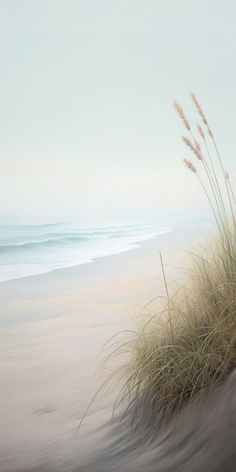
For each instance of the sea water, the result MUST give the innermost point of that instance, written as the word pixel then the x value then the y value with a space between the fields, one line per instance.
pixel 30 249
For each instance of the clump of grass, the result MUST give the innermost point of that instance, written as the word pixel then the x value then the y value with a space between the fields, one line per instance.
pixel 192 348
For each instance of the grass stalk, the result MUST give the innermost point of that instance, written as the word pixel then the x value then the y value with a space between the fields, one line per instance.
pixel 193 349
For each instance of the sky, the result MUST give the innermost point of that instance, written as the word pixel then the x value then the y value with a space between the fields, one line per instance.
pixel 87 126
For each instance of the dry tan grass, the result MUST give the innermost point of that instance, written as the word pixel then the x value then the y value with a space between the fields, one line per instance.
pixel 172 363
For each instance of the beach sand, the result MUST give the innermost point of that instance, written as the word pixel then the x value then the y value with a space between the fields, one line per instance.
pixel 53 330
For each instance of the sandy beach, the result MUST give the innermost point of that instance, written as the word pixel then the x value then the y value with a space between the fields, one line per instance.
pixel 53 330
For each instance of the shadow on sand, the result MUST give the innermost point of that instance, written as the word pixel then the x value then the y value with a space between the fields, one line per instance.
pixel 202 437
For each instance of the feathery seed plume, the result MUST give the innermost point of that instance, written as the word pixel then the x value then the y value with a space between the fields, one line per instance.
pixel 200 130
pixel 199 108
pixel 209 131
pixel 180 112
pixel 195 149
pixel 190 165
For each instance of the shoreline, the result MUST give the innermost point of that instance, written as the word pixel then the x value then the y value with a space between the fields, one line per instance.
pixel 129 247
pixel 59 285
pixel 54 328
pixel 176 232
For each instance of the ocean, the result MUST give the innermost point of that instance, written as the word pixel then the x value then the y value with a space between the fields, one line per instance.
pixel 30 249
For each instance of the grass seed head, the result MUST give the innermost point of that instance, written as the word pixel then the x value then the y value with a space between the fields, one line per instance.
pixel 200 131
pixel 181 114
pixel 190 165
pixel 195 148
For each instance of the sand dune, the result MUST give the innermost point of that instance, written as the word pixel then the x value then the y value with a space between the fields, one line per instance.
pixel 201 437
pixel 53 329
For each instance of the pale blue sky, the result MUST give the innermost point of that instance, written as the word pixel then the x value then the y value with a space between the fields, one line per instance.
pixel 87 125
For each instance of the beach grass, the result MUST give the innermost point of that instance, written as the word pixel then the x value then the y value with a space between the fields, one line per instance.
pixel 190 347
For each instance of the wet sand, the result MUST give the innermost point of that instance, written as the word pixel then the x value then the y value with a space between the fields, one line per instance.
pixel 53 329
